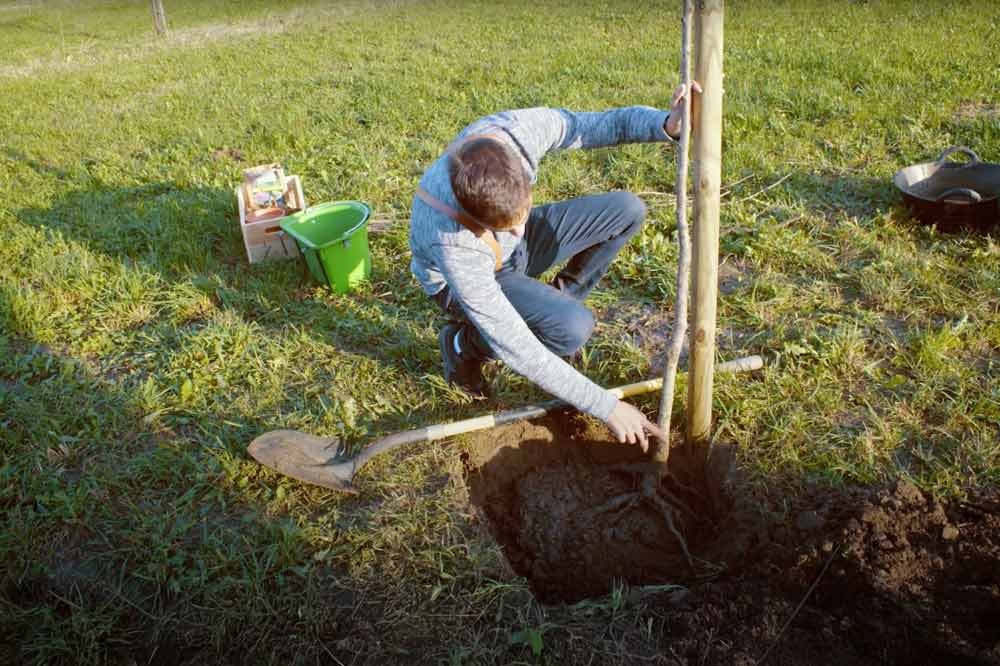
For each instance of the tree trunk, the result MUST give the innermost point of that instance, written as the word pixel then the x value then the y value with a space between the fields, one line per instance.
pixel 661 450
pixel 159 18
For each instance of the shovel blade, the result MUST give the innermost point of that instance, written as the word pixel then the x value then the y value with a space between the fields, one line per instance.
pixel 304 457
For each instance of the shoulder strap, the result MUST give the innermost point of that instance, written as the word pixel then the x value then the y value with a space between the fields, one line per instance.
pixel 483 234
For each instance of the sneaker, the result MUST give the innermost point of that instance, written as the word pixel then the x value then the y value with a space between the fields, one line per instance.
pixel 465 374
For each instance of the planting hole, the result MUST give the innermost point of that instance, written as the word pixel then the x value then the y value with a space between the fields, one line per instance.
pixel 542 486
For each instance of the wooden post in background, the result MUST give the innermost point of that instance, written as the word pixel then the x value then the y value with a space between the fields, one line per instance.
pixel 159 17
pixel 707 176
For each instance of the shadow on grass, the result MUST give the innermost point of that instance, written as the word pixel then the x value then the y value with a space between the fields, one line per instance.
pixel 190 236
pixel 851 194
pixel 126 541
pixel 167 228
pixel 820 192
pixel 826 192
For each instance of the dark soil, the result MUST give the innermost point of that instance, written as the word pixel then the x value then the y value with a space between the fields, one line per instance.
pixel 540 484
pixel 902 578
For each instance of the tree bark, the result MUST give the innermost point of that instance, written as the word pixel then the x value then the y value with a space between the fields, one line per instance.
pixel 661 453
pixel 707 170
pixel 159 17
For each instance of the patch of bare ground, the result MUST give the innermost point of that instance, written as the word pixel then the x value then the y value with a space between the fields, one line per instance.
pixel 969 110
pixel 95 54
pixel 649 326
pixel 733 274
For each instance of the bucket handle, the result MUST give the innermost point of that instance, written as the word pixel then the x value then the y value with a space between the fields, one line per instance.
pixel 971 194
pixel 346 237
pixel 968 152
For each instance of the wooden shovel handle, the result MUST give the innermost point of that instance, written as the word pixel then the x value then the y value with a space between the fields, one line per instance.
pixel 443 430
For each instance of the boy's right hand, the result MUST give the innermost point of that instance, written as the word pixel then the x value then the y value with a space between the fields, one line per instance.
pixel 630 425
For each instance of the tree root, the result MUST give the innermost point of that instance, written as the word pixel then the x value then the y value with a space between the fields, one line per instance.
pixel 616 504
pixel 668 515
pixel 659 499
pixel 676 501
pixel 651 473
pixel 653 468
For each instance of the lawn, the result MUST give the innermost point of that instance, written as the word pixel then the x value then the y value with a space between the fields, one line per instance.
pixel 139 353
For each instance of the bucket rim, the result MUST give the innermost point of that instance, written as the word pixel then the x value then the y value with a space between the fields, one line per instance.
pixel 311 211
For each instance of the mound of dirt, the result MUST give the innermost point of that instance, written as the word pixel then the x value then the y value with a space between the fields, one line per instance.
pixel 882 575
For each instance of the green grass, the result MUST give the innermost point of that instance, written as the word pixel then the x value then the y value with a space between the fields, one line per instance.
pixel 139 354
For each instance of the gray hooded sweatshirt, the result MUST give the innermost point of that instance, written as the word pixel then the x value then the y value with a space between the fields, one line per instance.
pixel 446 253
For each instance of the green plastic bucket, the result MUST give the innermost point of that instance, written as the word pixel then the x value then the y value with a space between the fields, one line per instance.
pixel 333 238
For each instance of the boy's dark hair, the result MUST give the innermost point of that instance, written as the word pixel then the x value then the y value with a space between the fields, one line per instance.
pixel 489 181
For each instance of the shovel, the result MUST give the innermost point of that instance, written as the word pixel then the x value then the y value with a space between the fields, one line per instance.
pixel 324 461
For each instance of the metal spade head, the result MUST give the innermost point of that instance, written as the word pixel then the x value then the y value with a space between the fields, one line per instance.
pixel 305 457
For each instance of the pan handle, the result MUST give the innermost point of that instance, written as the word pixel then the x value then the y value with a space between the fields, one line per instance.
pixel 968 192
pixel 968 152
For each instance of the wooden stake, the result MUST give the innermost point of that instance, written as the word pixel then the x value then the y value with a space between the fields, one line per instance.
pixel 707 171
pixel 159 17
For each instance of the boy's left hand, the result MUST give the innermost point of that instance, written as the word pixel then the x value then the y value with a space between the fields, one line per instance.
pixel 673 124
